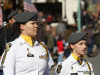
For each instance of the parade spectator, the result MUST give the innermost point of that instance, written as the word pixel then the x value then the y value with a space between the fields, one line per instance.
pixel 75 17
pixel 68 32
pixel 84 18
pixel 49 39
pixel 90 41
pixel 61 28
pixel 97 36
pixel 41 36
pixel 60 48
pixel 50 19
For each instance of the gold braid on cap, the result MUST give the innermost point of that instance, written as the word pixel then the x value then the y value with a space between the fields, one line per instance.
pixel 19 11
pixel 87 36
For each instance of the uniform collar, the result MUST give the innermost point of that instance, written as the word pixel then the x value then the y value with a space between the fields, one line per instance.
pixel 72 61
pixel 28 39
pixel 21 41
pixel 75 57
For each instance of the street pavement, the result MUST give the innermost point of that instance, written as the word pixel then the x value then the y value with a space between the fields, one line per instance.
pixel 95 61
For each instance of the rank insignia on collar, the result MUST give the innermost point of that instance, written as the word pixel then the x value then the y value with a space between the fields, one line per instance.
pixel 72 67
pixel 20 43
pixel 27 49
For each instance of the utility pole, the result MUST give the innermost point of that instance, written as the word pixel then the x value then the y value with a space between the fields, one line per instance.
pixel 79 17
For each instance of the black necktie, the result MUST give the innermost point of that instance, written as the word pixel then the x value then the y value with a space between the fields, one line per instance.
pixel 80 59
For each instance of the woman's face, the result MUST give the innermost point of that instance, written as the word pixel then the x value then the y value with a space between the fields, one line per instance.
pixel 79 48
pixel 30 28
pixel 48 28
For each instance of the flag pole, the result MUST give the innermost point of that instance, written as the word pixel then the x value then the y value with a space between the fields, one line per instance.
pixel 79 17
pixel 4 21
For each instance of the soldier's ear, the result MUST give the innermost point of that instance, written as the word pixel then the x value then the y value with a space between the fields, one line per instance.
pixel 9 21
pixel 22 27
pixel 72 46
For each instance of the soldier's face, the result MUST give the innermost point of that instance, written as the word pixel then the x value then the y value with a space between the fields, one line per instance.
pixel 30 28
pixel 11 21
pixel 79 48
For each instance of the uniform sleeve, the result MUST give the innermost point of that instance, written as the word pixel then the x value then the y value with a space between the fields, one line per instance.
pixel 47 71
pixel 50 61
pixel 9 61
pixel 8 71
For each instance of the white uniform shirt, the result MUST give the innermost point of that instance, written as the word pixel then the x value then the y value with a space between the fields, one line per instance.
pixel 71 67
pixel 18 63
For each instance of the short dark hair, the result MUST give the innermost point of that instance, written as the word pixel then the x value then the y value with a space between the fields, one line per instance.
pixel 16 27
pixel 60 37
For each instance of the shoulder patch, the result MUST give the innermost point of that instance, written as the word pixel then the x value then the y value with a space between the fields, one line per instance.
pixel 6 49
pixel 59 67
pixel 8 46
pixel 46 49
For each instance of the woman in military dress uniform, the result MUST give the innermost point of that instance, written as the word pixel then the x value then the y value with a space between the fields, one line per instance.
pixel 25 55
pixel 75 64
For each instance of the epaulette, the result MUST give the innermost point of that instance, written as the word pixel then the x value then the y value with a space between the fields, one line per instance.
pixel 46 49
pixel 59 67
pixel 8 46
pixel 6 49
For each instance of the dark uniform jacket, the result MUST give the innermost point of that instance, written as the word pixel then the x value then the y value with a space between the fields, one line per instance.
pixel 2 41
pixel 11 36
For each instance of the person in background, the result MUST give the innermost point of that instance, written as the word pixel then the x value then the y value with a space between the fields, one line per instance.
pixel 11 36
pixel 90 41
pixel 61 48
pixel 49 39
pixel 68 32
pixel 96 32
pixel 41 36
pixel 61 27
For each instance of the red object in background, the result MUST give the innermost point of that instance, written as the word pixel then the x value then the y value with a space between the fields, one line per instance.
pixel 28 6
pixel 1 21
pixel 60 46
pixel 49 18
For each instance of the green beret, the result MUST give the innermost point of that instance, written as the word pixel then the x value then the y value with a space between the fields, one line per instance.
pixel 76 37
pixel 26 16
pixel 14 13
